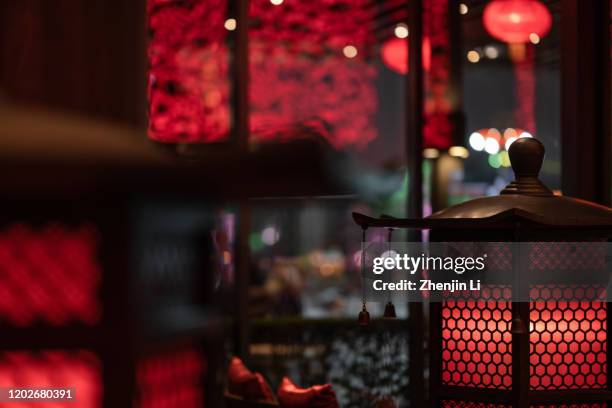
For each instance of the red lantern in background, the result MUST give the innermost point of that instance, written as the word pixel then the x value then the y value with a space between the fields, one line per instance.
pixel 513 21
pixel 394 53
pixel 518 22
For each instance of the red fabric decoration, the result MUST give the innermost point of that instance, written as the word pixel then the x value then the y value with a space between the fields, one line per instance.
pixel 512 21
pixel 242 382
pixel 317 396
pixel 300 77
pixel 440 98
pixel 189 84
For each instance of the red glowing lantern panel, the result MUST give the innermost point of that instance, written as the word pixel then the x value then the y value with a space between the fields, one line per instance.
pixel 79 371
pixel 567 343
pixel 477 344
pixel 304 79
pixel 188 71
pixel 394 54
pixel 49 275
pixel 512 21
pixel 469 404
pixel 578 405
pixel 172 379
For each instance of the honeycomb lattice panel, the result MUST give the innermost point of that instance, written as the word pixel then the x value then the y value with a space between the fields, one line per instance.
pixel 589 405
pixel 563 256
pixel 477 343
pixel 568 345
pixel 469 404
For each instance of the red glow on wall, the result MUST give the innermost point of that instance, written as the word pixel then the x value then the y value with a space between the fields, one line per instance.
pixel 188 71
pixel 300 78
pixel 78 370
pixel 512 21
pixel 49 275
pixel 173 379
pixel 394 54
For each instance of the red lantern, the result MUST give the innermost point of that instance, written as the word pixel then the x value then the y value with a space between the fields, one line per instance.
pixel 394 54
pixel 517 22
pixel 513 21
pixel 495 351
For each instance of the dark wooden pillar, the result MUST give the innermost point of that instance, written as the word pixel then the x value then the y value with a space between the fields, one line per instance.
pixel 414 165
pixel 585 105
pixel 414 126
pixel 240 136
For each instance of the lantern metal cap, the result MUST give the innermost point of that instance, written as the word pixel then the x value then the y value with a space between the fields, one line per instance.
pixel 526 198
pixel 526 156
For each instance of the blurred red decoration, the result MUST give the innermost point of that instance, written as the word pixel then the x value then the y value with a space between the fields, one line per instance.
pixel 188 71
pixel 525 91
pixel 300 77
pixel 394 54
pixel 171 379
pixel 246 384
pixel 298 74
pixel 77 370
pixel 292 396
pixel 512 21
pixel 49 275
pixel 439 127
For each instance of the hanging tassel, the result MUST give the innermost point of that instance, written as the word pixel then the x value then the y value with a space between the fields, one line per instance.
pixel 389 311
pixel 389 308
pixel 364 316
pixel 517 326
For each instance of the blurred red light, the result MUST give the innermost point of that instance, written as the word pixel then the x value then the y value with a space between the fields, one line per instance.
pixel 78 370
pixel 395 54
pixel 173 379
pixel 512 21
pixel 49 275
pixel 188 71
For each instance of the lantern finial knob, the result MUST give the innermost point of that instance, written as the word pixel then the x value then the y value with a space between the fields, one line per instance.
pixel 526 156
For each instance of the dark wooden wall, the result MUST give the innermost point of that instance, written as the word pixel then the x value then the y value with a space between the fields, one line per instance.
pixel 86 56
